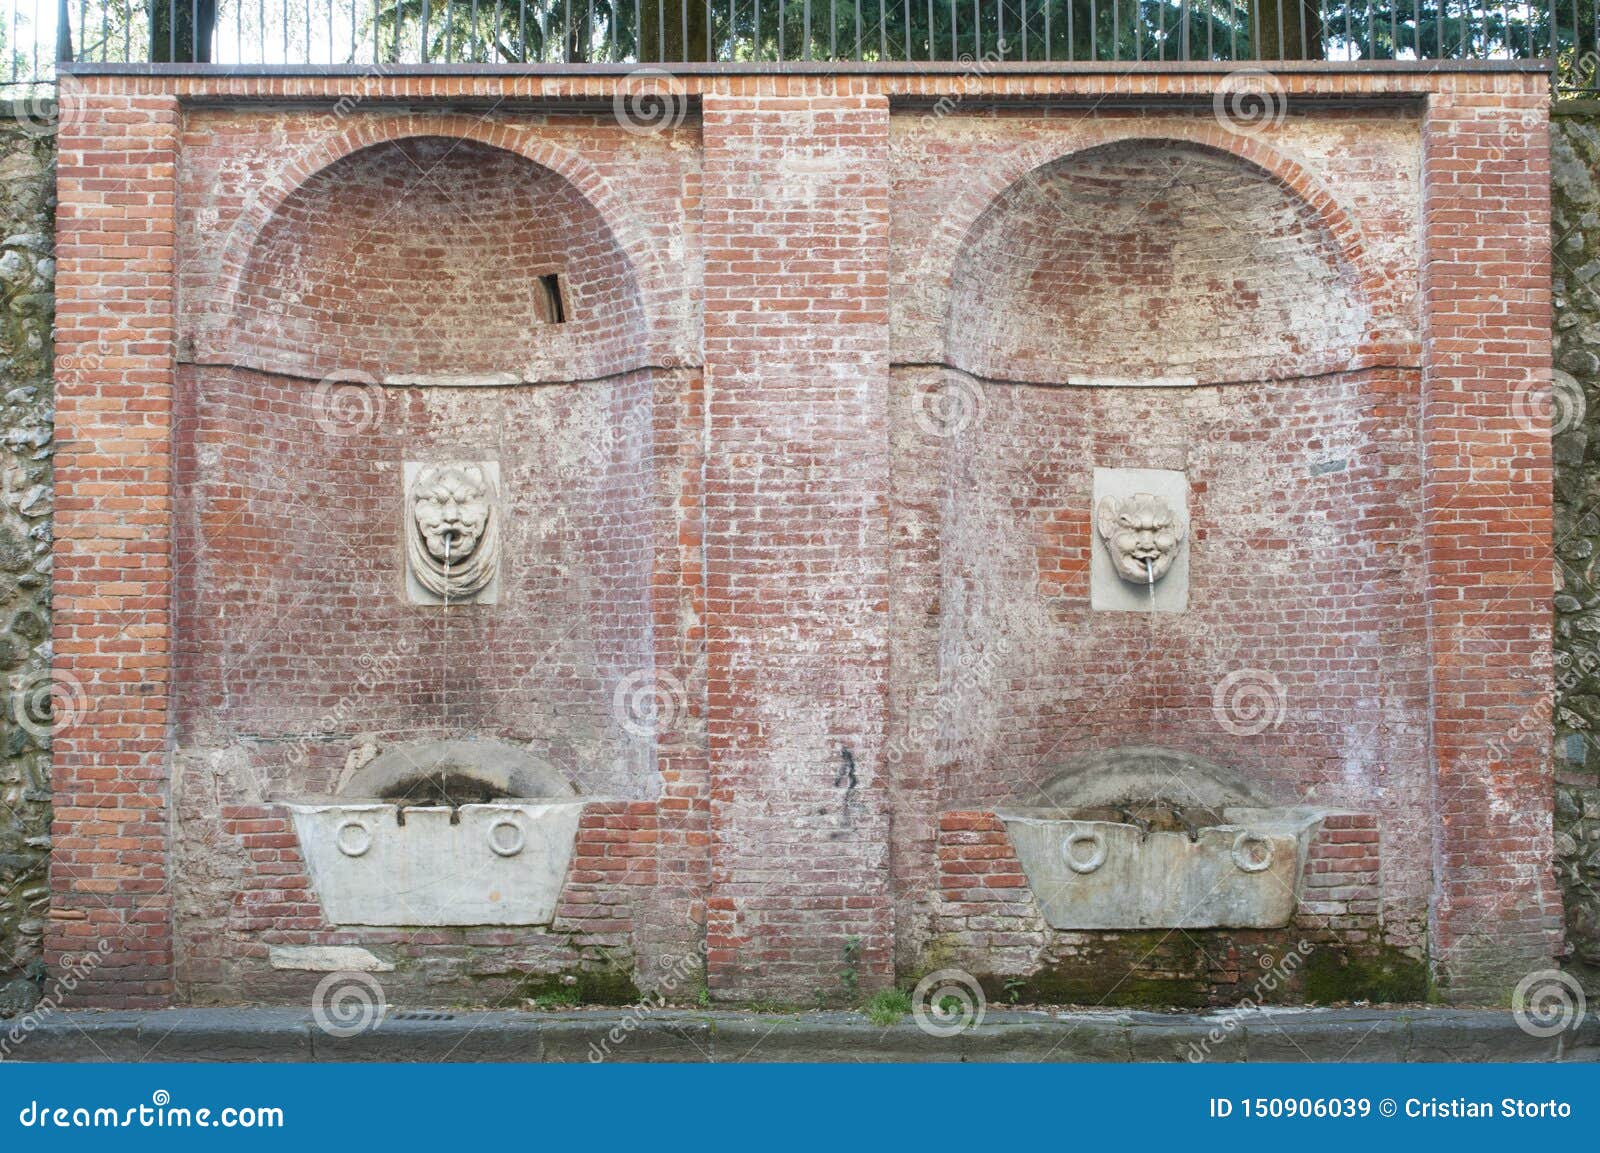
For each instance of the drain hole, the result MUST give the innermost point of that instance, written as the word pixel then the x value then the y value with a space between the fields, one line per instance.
pixel 420 1015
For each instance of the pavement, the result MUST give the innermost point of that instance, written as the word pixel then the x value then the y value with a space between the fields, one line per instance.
pixel 646 1034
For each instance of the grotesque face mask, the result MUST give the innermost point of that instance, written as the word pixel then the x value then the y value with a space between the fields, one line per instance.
pixel 453 544
pixel 451 504
pixel 1141 534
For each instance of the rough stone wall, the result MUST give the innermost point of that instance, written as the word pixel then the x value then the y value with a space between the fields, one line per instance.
pixel 27 279
pixel 1575 196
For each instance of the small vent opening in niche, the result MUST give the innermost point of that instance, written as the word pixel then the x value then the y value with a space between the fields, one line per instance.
pixel 555 309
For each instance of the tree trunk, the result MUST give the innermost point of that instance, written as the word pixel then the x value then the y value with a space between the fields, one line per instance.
pixel 180 31
pixel 1300 22
pixel 662 39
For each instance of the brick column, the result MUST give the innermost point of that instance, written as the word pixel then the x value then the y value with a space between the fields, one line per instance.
pixel 113 524
pixel 1487 523
pixel 796 537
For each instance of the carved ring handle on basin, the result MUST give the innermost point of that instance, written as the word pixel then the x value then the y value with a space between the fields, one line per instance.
pixel 518 840
pixel 1242 857
pixel 1096 858
pixel 353 838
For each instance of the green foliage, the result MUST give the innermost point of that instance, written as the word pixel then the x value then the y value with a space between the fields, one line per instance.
pixel 888 1007
pixel 852 960
pixel 565 997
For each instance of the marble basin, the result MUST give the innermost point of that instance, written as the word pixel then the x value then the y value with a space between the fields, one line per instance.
pixel 1243 872
pixel 499 863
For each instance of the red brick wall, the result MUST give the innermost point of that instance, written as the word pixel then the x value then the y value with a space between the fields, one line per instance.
pixel 109 871
pixel 1486 510
pixel 797 358
pixel 784 479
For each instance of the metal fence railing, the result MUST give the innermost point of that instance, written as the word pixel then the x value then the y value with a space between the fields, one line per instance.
pixel 36 33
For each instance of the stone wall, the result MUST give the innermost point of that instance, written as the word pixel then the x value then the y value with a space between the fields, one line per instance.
pixel 27 276
pixel 1575 195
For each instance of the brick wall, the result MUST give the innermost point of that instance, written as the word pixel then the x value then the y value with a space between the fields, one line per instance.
pixel 115 339
pixel 1486 502
pixel 805 473
pixel 796 345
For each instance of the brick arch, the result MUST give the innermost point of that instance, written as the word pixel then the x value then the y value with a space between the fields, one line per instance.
pixel 990 183
pixel 271 196
pixel 1322 258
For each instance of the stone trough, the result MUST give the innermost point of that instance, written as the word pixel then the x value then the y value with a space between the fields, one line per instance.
pixel 495 852
pixel 1097 874
pixel 1149 838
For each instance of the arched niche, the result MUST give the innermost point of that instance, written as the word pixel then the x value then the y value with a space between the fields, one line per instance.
pixel 1152 260
pixel 433 259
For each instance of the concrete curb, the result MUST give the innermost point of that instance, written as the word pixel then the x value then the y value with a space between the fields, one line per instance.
pixel 723 1036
